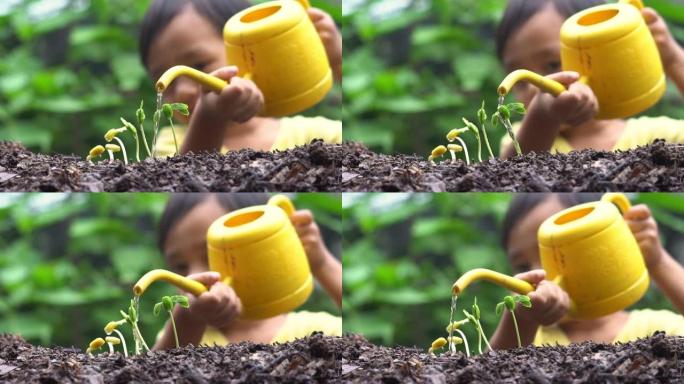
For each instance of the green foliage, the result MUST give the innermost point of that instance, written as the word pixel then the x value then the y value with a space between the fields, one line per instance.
pixel 413 69
pixel 73 259
pixel 403 252
pixel 69 74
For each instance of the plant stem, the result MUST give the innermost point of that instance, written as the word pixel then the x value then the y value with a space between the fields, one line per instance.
pixel 173 131
pixel 479 327
pixel 173 325
pixel 507 124
pixel 123 342
pixel 517 334
pixel 465 342
pixel 147 148
pixel 123 150
pixel 489 148
pixel 465 150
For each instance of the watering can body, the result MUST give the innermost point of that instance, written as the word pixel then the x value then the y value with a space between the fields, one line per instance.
pixel 591 253
pixel 612 49
pixel 277 46
pixel 258 252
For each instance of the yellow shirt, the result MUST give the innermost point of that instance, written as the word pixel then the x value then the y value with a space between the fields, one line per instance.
pixel 297 325
pixel 638 132
pixel 641 323
pixel 294 131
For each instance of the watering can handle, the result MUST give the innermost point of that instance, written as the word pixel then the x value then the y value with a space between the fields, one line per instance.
pixel 637 3
pixel 284 203
pixel 307 5
pixel 619 199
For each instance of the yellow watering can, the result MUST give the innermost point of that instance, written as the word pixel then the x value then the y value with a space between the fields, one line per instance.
pixel 258 253
pixel 612 49
pixel 276 45
pixel 590 252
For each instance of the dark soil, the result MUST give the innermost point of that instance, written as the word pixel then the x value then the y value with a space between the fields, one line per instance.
pixel 314 167
pixel 657 167
pixel 657 359
pixel 313 359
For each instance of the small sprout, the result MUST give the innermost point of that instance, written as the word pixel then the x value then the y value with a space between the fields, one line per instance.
pixel 476 132
pixel 132 319
pixel 453 148
pixel 503 116
pixel 167 110
pixel 437 344
pixel 134 132
pixel 111 342
pixel 95 345
pixel 97 151
pixel 456 325
pixel 482 117
pixel 111 135
pixel 112 327
pixel 111 149
pixel 454 133
pixel 455 340
pixel 167 303
pixel 509 303
pixel 437 153
pixel 140 116
pixel 474 319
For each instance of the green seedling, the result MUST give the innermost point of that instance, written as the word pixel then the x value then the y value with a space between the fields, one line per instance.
pixel 132 319
pixel 140 116
pixel 454 135
pixel 453 149
pixel 503 116
pixel 482 117
pixel 437 153
pixel 111 149
pixel 167 110
pixel 474 319
pixel 476 132
pixel 95 345
pixel 167 303
pixel 510 303
pixel 111 342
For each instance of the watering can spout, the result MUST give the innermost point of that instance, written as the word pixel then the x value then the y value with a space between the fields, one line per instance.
pixel 516 285
pixel 211 82
pixel 182 282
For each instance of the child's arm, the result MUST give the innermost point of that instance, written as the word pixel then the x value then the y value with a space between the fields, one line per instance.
pixel 546 114
pixel 549 304
pixel 237 103
pixel 324 266
pixel 665 271
pixel 671 54
pixel 332 39
pixel 216 307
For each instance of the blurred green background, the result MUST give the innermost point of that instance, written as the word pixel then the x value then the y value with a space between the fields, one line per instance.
pixel 70 69
pixel 402 253
pixel 414 68
pixel 72 259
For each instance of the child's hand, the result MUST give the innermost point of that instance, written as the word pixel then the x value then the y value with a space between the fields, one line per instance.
pixel 331 37
pixel 549 302
pixel 645 230
pixel 311 239
pixel 217 307
pixel 240 101
pixel 670 51
pixel 575 106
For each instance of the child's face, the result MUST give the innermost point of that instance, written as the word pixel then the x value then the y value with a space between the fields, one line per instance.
pixel 534 46
pixel 188 40
pixel 522 247
pixel 185 249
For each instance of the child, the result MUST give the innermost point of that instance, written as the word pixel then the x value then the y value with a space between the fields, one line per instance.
pixel 189 32
pixel 529 38
pixel 213 316
pixel 543 323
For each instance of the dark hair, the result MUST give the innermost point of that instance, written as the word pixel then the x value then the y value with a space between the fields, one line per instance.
pixel 161 12
pixel 524 203
pixel 180 204
pixel 519 11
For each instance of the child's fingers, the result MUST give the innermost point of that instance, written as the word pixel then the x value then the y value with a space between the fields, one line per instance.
pixel 638 212
pixel 650 15
pixel 533 277
pixel 225 73
pixel 316 14
pixel 566 77
pixel 207 278
pixel 302 217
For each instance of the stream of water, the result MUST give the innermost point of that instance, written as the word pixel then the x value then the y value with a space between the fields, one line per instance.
pixel 452 347
pixel 157 118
